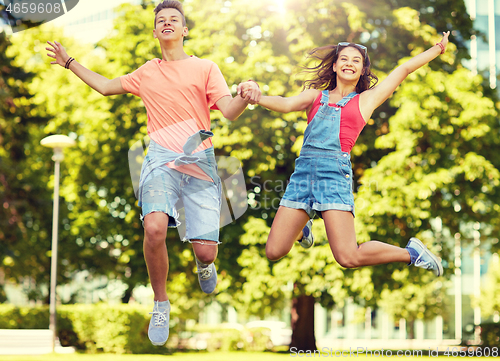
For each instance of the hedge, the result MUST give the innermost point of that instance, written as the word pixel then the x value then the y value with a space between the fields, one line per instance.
pixel 123 328
pixel 120 328
pixel 490 335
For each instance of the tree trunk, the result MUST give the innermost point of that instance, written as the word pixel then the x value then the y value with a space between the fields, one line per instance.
pixel 411 329
pixel 303 338
pixel 127 294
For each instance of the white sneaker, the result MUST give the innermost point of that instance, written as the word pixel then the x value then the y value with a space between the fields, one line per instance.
pixel 158 326
pixel 207 276
pixel 307 240
pixel 425 258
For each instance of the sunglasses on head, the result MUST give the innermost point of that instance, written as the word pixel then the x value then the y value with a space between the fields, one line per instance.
pixel 362 47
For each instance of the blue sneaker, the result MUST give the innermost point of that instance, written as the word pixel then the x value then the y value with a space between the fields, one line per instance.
pixel 307 240
pixel 422 257
pixel 158 326
pixel 207 276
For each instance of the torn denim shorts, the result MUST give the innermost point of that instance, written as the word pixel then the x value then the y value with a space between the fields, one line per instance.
pixel 168 190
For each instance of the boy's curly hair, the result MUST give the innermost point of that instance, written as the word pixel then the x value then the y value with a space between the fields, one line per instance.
pixel 170 4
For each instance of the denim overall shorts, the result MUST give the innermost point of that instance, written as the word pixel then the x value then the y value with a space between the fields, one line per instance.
pixel 322 179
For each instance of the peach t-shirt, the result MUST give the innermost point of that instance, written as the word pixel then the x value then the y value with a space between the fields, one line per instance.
pixel 178 96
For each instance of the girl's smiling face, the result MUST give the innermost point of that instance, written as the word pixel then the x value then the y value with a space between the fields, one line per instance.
pixel 349 65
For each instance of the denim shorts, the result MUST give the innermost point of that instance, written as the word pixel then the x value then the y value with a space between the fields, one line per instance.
pixel 192 204
pixel 321 182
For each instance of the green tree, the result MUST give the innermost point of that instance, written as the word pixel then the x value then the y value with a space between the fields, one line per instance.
pixel 25 200
pixel 56 102
pixel 441 167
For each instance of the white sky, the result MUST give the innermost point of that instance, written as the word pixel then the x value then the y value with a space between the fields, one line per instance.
pixel 90 20
pixel 95 30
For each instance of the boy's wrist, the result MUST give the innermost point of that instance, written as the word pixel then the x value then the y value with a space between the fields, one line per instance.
pixel 254 82
pixel 68 62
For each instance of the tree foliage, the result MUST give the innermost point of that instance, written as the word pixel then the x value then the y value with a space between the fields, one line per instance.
pixel 490 294
pixel 25 201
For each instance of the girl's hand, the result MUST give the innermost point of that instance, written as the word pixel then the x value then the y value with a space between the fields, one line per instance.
pixel 444 39
pixel 58 53
pixel 249 91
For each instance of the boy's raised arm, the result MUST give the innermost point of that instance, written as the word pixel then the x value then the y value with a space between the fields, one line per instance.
pixel 96 81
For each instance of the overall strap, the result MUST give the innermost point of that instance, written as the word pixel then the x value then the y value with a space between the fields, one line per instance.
pixel 325 96
pixel 343 102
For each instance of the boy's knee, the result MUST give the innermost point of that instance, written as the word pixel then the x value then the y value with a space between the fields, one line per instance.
pixel 154 232
pixel 206 258
pixel 207 253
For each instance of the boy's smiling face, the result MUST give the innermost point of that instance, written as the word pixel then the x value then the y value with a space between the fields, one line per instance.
pixel 169 25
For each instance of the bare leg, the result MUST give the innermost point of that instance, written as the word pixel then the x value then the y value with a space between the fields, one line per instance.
pixel 155 252
pixel 206 252
pixel 286 229
pixel 342 238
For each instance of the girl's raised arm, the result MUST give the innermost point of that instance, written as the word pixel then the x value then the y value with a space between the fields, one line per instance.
pixel 372 98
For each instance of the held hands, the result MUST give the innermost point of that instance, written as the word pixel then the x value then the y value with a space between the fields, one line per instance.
pixel 59 54
pixel 249 91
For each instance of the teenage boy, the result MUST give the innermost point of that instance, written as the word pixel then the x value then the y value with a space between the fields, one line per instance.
pixel 178 91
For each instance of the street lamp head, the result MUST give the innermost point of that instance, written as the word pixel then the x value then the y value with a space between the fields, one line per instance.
pixel 58 142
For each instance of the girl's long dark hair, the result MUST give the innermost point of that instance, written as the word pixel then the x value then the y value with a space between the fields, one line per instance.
pixel 324 78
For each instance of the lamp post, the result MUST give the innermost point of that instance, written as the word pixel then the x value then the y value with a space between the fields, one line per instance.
pixel 477 282
pixel 58 143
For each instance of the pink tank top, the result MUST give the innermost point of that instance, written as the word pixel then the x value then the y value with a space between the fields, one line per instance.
pixel 351 122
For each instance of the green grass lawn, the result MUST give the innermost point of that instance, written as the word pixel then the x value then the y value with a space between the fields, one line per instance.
pixel 198 356
pixel 202 356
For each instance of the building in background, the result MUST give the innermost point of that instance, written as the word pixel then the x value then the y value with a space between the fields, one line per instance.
pixel 484 54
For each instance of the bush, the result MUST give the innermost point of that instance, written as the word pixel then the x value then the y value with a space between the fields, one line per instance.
pixel 119 328
pixel 24 317
pixel 490 334
pixel 226 338
pixel 123 328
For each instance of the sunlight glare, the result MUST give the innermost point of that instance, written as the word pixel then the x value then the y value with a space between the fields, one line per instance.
pixel 281 6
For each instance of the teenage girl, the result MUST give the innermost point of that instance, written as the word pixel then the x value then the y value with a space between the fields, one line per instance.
pixel 338 101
